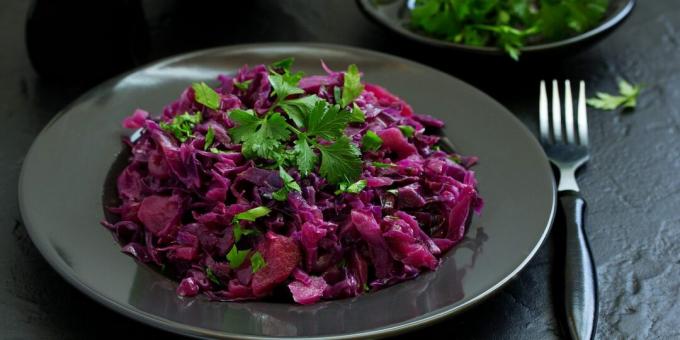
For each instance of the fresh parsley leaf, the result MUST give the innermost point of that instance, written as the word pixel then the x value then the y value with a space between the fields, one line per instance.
pixel 247 122
pixel 243 86
pixel 257 262
pixel 215 150
pixel 209 138
pixel 248 215
pixel 337 95
pixel 182 126
pixel 626 99
pixel 306 158
pixel 407 130
pixel 260 137
pixel 357 115
pixel 285 85
pixel 283 64
pixel 327 121
pixel 353 188
pixel 239 232
pixel 382 165
pixel 237 257
pixel 206 95
pixel 340 161
pixel 289 185
pixel 289 181
pixel 211 276
pixel 352 86
pixel 298 108
pixel 371 141
pixel 252 214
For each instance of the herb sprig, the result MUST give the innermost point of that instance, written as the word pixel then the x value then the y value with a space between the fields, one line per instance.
pixel 316 127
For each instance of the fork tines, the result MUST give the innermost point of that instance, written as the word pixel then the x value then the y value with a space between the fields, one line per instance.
pixel 566 129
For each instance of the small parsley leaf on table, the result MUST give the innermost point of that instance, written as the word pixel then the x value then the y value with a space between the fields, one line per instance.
pixel 627 97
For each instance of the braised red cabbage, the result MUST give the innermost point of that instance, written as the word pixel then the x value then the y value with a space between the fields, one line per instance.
pixel 185 205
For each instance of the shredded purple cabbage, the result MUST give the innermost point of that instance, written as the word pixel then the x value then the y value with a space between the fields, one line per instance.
pixel 178 201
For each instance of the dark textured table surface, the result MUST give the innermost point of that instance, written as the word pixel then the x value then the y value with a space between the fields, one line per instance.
pixel 632 184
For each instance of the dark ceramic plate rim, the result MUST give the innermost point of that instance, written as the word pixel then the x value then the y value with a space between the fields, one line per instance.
pixel 606 25
pixel 181 328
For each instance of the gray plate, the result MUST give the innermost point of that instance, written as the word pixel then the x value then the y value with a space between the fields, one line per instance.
pixel 60 195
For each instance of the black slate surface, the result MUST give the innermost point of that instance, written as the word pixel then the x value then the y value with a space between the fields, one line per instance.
pixel 632 183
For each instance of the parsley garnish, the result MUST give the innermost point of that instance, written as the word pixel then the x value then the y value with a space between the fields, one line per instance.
pixel 182 126
pixel 248 215
pixel 283 64
pixel 252 214
pixel 206 95
pixel 627 98
pixel 319 127
pixel 306 158
pixel 243 86
pixel 209 138
pixel 257 262
pixel 407 130
pixel 340 161
pixel 261 137
pixel 371 141
pixel 211 276
pixel 382 165
pixel 353 188
pixel 352 86
pixel 327 121
pixel 237 257
pixel 357 115
pixel 289 185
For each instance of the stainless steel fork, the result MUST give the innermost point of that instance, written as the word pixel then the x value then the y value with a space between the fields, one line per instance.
pixel 565 140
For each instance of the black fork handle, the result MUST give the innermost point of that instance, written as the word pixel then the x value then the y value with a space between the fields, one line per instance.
pixel 580 278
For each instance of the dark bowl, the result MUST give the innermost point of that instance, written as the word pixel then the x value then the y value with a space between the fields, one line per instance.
pixel 394 15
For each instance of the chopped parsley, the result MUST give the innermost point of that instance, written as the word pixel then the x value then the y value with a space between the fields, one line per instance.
pixel 407 130
pixel 351 188
pixel 289 185
pixel 209 138
pixel 248 215
pixel 236 257
pixel 371 141
pixel 206 95
pixel 382 165
pixel 352 86
pixel 257 262
pixel 182 126
pixel 317 133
